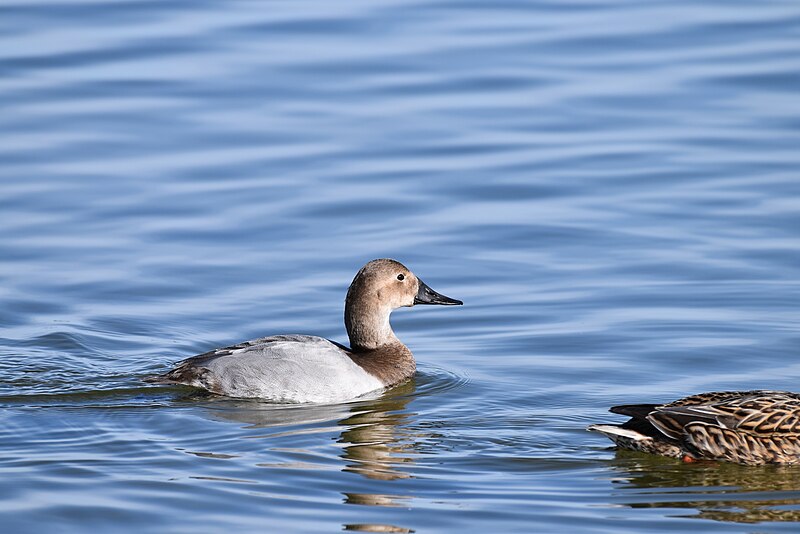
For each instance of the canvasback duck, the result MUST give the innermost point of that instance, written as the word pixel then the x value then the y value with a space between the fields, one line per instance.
pixel 744 427
pixel 300 368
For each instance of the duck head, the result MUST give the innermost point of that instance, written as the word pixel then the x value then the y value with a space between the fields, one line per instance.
pixel 379 287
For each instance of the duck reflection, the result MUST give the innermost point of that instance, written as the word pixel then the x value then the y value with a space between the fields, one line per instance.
pixel 375 439
pixel 717 491
pixel 377 442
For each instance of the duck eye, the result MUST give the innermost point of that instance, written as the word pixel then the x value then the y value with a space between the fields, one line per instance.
pixel 401 277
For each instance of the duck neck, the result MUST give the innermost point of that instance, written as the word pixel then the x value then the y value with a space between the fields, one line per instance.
pixel 374 346
pixel 368 326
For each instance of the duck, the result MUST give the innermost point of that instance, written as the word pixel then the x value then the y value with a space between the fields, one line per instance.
pixel 298 368
pixel 745 427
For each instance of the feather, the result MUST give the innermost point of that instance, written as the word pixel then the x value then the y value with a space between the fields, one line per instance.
pixel 748 427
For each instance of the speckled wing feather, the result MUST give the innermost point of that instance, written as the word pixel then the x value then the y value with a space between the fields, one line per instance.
pixel 749 427
pixel 713 397
pixel 759 412
pixel 716 443
pixel 746 427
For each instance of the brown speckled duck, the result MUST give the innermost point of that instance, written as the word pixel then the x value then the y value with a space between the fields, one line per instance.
pixel 745 427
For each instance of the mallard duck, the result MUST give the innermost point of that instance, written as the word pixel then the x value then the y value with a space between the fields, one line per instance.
pixel 745 427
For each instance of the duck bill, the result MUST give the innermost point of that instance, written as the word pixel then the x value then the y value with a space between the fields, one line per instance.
pixel 426 295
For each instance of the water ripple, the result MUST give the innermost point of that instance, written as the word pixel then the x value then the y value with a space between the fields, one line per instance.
pixel 611 187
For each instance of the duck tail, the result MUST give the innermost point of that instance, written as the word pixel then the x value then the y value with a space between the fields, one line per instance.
pixel 617 434
pixel 158 379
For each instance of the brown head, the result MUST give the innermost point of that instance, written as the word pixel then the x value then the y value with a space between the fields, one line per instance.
pixel 379 287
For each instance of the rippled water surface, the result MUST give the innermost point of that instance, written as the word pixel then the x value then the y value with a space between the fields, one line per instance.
pixel 612 187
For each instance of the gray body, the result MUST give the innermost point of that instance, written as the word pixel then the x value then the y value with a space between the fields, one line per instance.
pixel 287 368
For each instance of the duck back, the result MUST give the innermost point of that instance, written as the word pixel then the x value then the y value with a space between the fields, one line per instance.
pixel 285 368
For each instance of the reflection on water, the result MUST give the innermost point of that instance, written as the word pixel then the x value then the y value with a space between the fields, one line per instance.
pixel 717 491
pixel 377 443
pixel 375 438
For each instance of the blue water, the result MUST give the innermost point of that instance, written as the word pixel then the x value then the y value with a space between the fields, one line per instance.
pixel 612 187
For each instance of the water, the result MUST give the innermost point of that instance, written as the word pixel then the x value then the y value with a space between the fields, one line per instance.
pixel 611 187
